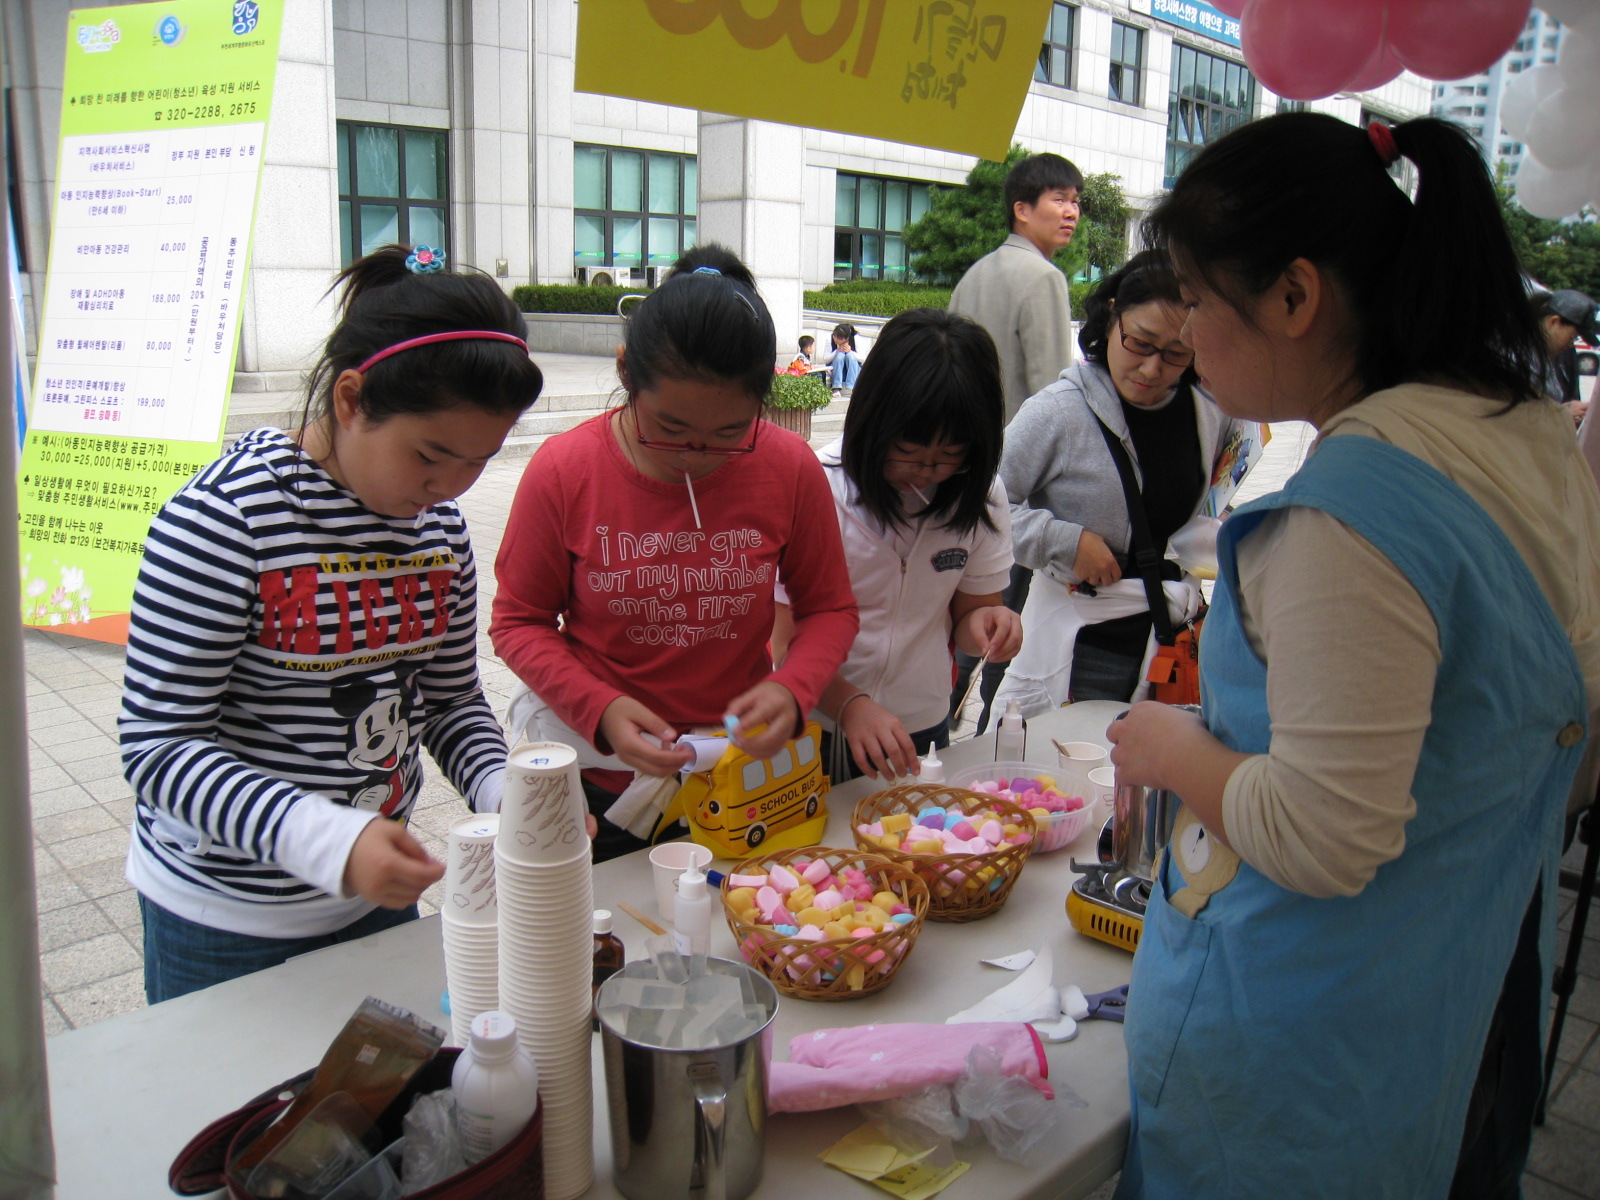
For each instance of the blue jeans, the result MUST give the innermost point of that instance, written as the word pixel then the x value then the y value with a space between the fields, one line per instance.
pixel 846 367
pixel 181 956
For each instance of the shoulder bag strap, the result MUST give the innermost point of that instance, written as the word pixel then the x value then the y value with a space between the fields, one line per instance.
pixel 1143 556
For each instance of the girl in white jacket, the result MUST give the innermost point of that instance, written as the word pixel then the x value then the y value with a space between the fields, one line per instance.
pixel 927 535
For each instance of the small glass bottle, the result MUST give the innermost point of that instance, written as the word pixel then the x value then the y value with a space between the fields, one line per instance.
pixel 496 1086
pixel 609 954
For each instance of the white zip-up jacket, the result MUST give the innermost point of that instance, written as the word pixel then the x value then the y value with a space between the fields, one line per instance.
pixel 901 657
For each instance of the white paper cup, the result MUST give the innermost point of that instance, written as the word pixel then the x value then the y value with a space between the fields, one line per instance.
pixel 1076 760
pixel 1103 781
pixel 670 860
pixel 469 871
pixel 542 807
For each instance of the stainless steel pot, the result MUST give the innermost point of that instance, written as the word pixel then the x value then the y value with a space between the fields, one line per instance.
pixel 1141 824
pixel 688 1122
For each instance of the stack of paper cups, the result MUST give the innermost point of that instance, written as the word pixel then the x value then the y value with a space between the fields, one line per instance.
pixel 546 895
pixel 471 925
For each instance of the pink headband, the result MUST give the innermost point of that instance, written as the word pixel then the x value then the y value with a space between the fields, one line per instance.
pixel 455 335
pixel 1382 138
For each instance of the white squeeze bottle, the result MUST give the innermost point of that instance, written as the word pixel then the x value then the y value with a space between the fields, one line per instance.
pixel 496 1086
pixel 932 769
pixel 1011 739
pixel 691 916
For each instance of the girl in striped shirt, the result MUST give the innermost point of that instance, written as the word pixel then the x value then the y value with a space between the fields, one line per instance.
pixel 304 621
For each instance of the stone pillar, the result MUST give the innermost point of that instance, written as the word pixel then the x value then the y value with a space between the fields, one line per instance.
pixel 555 34
pixel 494 124
pixel 295 250
pixel 752 176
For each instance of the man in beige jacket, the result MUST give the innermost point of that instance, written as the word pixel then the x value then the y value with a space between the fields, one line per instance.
pixel 1015 291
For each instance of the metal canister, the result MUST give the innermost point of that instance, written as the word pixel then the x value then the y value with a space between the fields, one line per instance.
pixel 688 1121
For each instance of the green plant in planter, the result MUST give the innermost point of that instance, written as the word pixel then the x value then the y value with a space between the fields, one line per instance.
pixel 798 391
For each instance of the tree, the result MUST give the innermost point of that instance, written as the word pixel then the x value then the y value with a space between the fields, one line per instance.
pixel 963 224
pixel 1556 254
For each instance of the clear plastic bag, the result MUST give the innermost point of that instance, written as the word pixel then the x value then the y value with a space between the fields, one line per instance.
pixel 432 1142
pixel 1012 1115
pixel 922 1124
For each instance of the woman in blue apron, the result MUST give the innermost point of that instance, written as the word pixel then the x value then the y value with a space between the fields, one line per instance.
pixel 1396 682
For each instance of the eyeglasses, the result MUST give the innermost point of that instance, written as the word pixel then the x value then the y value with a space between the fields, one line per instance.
pixel 945 468
pixel 689 448
pixel 1142 348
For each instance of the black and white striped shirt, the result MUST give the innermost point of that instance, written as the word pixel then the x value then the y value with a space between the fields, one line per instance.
pixel 288 653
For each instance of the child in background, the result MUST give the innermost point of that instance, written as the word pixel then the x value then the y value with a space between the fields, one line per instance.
pixel 927 534
pixel 305 619
pixel 802 364
pixel 636 576
pixel 844 364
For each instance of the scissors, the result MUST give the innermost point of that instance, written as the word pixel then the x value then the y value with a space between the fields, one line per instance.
pixel 1108 1006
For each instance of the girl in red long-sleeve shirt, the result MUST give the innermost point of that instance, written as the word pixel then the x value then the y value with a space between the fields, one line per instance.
pixel 635 595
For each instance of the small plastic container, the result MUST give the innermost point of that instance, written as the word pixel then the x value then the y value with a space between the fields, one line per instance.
pixel 496 1086
pixel 1054 831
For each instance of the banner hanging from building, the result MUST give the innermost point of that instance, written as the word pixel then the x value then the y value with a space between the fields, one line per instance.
pixel 163 122
pixel 950 74
pixel 1201 18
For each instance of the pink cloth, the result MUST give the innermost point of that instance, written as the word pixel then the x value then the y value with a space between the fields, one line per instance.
pixel 834 1067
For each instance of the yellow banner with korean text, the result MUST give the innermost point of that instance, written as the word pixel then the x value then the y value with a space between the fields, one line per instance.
pixel 163 124
pixel 948 74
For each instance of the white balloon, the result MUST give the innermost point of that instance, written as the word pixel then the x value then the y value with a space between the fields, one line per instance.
pixel 1562 133
pixel 1524 94
pixel 1547 193
pixel 1576 14
pixel 1579 63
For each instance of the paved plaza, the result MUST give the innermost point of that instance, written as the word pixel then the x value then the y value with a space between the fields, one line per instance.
pixel 89 917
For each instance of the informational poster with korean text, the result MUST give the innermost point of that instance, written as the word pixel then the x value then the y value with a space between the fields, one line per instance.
pixel 950 74
pixel 163 122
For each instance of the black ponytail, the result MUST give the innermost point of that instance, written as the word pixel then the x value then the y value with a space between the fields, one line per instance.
pixel 382 302
pixel 706 323
pixel 1433 284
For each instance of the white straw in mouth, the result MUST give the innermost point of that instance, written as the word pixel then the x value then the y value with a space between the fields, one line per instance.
pixel 693 503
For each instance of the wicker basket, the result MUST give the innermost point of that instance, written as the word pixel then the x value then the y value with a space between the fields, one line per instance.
pixel 964 887
pixel 835 968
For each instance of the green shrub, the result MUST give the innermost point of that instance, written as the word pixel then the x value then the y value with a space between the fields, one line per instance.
pixel 878 302
pixel 798 391
pixel 874 285
pixel 1080 292
pixel 571 298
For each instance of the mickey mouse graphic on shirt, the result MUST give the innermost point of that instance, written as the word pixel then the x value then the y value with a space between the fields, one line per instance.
pixel 380 735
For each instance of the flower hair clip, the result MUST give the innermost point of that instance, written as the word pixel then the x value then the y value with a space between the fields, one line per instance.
pixel 425 260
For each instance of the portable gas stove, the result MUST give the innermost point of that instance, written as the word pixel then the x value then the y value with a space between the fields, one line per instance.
pixel 1107 901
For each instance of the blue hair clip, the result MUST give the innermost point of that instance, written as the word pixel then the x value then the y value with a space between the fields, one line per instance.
pixel 705 271
pixel 425 260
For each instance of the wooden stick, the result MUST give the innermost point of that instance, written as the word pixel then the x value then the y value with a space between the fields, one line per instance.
pixel 639 917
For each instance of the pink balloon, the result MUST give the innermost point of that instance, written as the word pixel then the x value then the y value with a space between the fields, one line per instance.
pixel 1380 69
pixel 1451 39
pixel 1230 8
pixel 1303 49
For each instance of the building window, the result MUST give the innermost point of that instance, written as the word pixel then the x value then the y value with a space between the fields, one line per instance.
pixel 1055 56
pixel 870 215
pixel 632 208
pixel 1127 62
pixel 393 187
pixel 1210 96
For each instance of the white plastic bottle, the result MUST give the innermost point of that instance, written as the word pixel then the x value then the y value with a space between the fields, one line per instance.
pixel 496 1085
pixel 1011 738
pixel 691 916
pixel 932 770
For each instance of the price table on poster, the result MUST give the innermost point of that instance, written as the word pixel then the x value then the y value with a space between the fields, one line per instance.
pixel 146 276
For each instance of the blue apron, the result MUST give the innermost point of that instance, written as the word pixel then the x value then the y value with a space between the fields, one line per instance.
pixel 1281 1045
